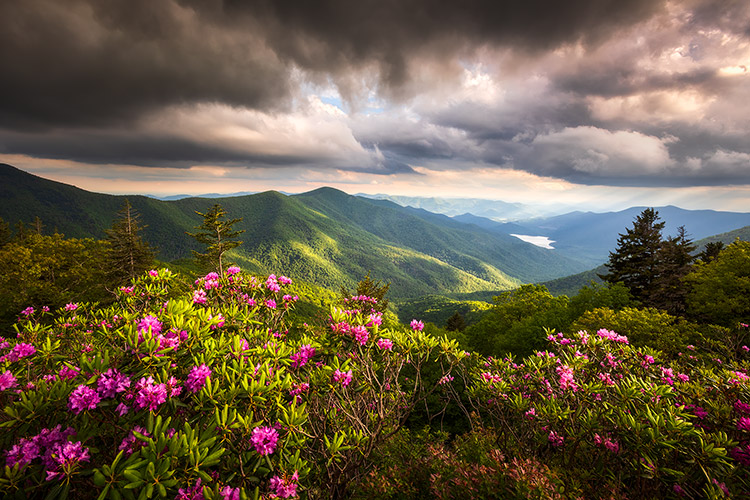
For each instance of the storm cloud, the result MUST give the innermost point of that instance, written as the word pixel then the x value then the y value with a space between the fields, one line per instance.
pixel 609 92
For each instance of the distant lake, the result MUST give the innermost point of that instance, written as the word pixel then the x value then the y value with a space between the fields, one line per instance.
pixel 540 241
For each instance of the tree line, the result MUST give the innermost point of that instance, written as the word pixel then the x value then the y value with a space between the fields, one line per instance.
pixel 50 270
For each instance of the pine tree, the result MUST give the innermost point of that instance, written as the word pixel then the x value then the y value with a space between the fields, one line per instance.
pixel 635 260
pixel 711 251
pixel 370 288
pixel 675 260
pixel 455 323
pixel 128 255
pixel 217 234
pixel 5 233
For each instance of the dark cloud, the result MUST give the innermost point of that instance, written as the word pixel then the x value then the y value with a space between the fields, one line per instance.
pixel 99 62
pixel 98 81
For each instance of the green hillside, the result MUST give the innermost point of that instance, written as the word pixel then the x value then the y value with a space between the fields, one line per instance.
pixel 742 233
pixel 325 237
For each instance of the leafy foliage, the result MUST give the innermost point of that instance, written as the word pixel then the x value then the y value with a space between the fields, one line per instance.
pixel 49 271
pixel 719 289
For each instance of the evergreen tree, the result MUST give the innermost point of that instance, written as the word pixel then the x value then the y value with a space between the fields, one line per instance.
pixel 455 323
pixel 635 261
pixel 217 234
pixel 38 226
pixel 711 251
pixel 675 259
pixel 129 255
pixel 5 233
pixel 370 288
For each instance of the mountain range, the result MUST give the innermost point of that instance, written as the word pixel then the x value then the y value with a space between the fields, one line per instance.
pixel 333 239
pixel 326 237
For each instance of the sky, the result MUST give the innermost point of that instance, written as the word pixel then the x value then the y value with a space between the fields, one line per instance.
pixel 598 104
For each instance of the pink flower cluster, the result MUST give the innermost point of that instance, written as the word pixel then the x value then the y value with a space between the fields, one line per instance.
pixel 111 383
pixel 301 357
pixel 83 398
pixel 131 444
pixel 284 487
pixel 417 326
pixel 150 394
pixel 615 337
pixel 19 351
pixel 7 381
pixel 555 439
pixel 567 381
pixel 41 446
pixel 264 440
pixel 559 339
pixel 608 443
pixel 738 377
pixel 362 298
pixel 67 455
pixel 344 378
pixel 385 344
pixel 199 297
pixel 193 493
pixel 297 390
pixel 197 378
pixel 360 333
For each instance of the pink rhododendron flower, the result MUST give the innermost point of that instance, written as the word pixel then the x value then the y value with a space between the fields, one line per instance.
pixel 233 270
pixel 743 424
pixel 360 334
pixel 609 335
pixel 344 378
pixel 19 351
pixel 197 378
pixel 272 283
pixel 738 377
pixel 385 344
pixel 67 455
pixel 149 323
pixel 264 440
pixel 417 325
pixel 220 323
pixel 566 377
pixel 71 307
pixel 229 493
pixel 131 444
pixel 199 297
pixel 271 304
pixel 68 373
pixel 555 439
pixel 150 394
pixel 153 273
pixel 530 414
pixel 445 379
pixel 111 383
pixel 301 357
pixel 194 493
pixel 284 487
pixel 83 398
pixel 7 381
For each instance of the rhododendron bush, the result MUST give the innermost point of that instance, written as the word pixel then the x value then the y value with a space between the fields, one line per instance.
pixel 624 422
pixel 206 392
